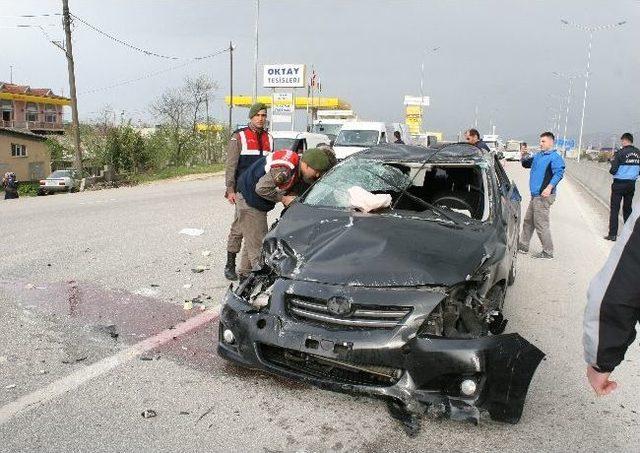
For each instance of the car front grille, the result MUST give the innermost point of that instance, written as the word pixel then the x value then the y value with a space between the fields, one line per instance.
pixel 372 317
pixel 329 369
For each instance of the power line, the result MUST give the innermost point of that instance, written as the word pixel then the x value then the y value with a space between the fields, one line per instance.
pixel 30 16
pixel 136 48
pixel 151 74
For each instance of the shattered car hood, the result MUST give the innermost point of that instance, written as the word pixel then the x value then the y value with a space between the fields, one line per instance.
pixel 348 248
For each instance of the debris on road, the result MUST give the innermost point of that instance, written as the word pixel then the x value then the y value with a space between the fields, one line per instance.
pixel 149 413
pixel 199 269
pixel 154 285
pixel 10 386
pixel 74 359
pixel 110 330
pixel 186 285
pixel 191 231
pixel 188 305
pixel 206 253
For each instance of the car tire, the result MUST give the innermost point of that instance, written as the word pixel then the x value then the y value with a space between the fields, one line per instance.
pixel 513 271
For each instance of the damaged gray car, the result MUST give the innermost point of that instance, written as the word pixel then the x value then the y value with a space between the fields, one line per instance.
pixel 405 302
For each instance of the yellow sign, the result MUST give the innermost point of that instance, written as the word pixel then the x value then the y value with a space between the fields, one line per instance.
pixel 300 102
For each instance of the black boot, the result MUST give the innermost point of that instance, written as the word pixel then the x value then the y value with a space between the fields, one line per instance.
pixel 230 267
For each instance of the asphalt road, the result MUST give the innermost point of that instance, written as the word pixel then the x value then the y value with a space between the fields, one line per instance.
pixel 92 287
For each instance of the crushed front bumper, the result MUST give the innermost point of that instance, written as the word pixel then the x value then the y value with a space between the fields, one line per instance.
pixel 416 374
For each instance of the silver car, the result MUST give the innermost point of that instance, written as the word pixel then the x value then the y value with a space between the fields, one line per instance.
pixel 60 181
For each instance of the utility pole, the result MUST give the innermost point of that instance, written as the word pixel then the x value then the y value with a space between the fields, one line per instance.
pixel 11 74
pixel 255 60
pixel 66 20
pixel 230 85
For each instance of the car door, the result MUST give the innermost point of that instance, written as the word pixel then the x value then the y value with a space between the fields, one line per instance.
pixel 510 203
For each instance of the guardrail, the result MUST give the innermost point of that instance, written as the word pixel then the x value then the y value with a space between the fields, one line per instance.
pixel 594 176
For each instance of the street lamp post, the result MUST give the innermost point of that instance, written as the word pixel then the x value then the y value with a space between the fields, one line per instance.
pixel 570 78
pixel 589 29
pixel 424 53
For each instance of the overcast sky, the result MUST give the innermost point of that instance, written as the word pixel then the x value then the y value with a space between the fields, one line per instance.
pixel 499 55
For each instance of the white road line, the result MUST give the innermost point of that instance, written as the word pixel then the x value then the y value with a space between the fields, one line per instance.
pixel 79 377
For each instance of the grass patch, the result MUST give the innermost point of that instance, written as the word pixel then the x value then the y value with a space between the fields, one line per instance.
pixel 28 189
pixel 173 172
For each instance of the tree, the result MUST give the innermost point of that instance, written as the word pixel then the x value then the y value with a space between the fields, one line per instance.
pixel 175 107
pixel 200 91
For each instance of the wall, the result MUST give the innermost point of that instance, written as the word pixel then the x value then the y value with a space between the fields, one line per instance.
pixel 595 177
pixel 37 152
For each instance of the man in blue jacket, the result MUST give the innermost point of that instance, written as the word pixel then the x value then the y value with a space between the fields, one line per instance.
pixel 547 169
pixel 625 168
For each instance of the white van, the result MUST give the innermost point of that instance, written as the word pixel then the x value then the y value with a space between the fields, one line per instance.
pixel 358 135
pixel 297 141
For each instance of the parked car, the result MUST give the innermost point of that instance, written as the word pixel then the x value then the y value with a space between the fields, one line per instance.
pixel 405 303
pixel 298 141
pixel 60 181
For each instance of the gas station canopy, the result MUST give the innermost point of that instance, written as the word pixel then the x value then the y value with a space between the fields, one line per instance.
pixel 300 102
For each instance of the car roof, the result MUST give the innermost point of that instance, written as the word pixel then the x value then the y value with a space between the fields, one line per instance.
pixel 438 153
pixel 364 125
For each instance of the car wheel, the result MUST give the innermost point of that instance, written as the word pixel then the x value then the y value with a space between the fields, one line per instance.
pixel 513 272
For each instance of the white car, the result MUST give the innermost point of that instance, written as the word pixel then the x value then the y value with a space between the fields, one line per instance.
pixel 297 141
pixel 60 181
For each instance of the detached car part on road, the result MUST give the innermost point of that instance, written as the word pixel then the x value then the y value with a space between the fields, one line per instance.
pixel 404 303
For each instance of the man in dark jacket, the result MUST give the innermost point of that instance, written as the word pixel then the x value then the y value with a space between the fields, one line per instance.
pixel 279 177
pixel 472 136
pixel 613 308
pixel 625 168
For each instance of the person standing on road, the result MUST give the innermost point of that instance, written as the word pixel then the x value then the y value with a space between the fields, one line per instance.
pixel 472 136
pixel 279 177
pixel 10 185
pixel 625 168
pixel 547 169
pixel 613 308
pixel 398 138
pixel 246 146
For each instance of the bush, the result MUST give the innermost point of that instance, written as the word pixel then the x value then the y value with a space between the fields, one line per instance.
pixel 28 189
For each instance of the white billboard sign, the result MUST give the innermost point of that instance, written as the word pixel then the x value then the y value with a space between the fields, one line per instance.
pixel 416 100
pixel 282 104
pixel 283 76
pixel 281 118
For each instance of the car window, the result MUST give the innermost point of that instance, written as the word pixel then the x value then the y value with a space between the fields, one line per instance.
pixel 362 138
pixel 61 174
pixel 283 143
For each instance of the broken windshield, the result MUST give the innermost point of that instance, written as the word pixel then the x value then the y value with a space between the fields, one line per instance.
pixel 373 176
pixel 441 192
